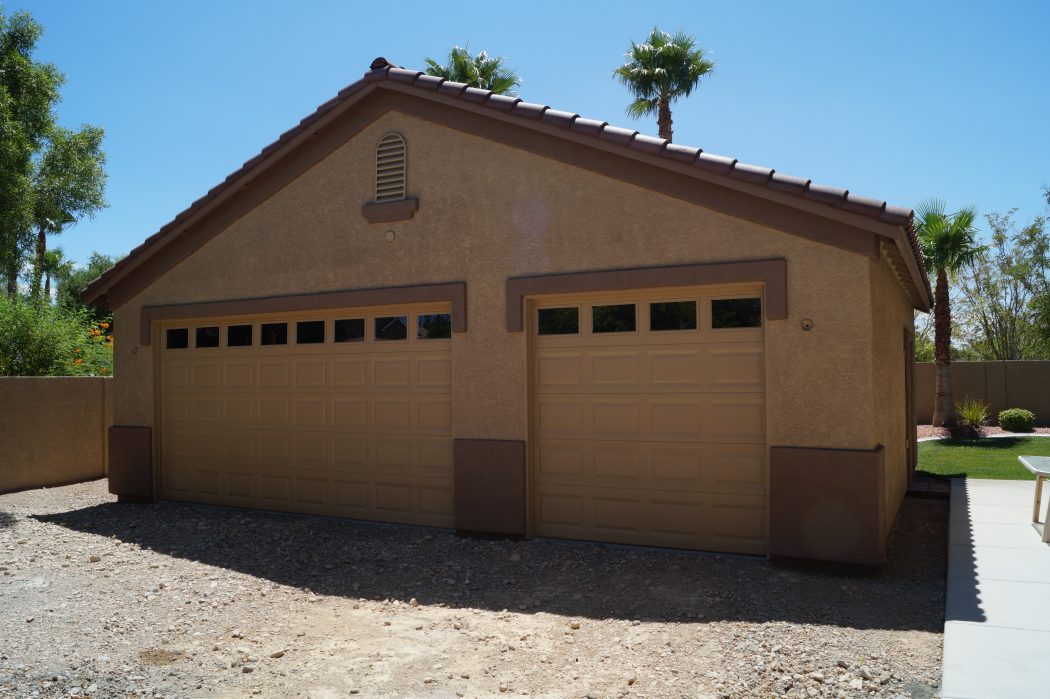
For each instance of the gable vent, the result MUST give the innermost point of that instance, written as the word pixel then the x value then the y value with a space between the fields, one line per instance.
pixel 390 168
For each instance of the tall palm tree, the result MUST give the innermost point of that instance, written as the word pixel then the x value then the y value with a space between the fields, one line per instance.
pixel 659 72
pixel 56 267
pixel 948 242
pixel 476 71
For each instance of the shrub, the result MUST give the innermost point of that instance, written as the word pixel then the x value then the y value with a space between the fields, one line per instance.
pixel 972 412
pixel 1017 420
pixel 43 340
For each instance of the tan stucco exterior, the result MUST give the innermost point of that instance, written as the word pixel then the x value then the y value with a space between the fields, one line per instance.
pixel 892 317
pixel 53 429
pixel 488 212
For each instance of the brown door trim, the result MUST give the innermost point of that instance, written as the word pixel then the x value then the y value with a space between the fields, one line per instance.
pixel 773 273
pixel 451 292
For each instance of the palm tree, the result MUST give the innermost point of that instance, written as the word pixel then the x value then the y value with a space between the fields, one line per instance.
pixel 660 71
pixel 56 267
pixel 948 242
pixel 476 71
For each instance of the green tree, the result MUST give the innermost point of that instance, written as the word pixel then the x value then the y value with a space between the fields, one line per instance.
pixel 999 289
pixel 71 285
pixel 660 71
pixel 948 242
pixel 68 183
pixel 476 71
pixel 28 93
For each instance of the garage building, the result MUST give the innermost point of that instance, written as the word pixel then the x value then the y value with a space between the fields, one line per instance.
pixel 433 305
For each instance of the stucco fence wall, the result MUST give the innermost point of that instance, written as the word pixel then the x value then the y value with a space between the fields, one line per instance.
pixel 53 430
pixel 999 384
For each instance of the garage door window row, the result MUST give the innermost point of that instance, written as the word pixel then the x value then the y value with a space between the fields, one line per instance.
pixel 385 328
pixel 728 313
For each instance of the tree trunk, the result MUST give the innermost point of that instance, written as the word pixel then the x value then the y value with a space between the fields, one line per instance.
pixel 943 404
pixel 38 267
pixel 47 286
pixel 12 279
pixel 663 118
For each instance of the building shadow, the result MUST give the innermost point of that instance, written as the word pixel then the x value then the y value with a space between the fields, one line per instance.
pixel 6 519
pixel 963 602
pixel 352 559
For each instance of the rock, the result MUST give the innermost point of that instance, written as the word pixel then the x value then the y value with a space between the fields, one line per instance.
pixel 844 664
pixel 277 654
pixel 865 672
pixel 631 680
pixel 504 687
pixel 94 559
pixel 572 624
pixel 247 668
pixel 515 557
pixel 856 683
pixel 419 627
pixel 429 680
pixel 413 602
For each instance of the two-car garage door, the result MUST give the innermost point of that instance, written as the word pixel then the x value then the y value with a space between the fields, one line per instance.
pixel 649 418
pixel 342 413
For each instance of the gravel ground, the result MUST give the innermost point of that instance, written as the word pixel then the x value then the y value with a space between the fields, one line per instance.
pixel 931 431
pixel 174 600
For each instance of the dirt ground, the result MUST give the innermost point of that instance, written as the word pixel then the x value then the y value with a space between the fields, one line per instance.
pixel 173 600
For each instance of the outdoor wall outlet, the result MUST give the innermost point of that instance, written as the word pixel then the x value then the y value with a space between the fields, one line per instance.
pixel 390 236
pixel 807 324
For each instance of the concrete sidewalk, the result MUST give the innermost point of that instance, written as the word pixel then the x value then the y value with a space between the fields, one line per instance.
pixel 997 615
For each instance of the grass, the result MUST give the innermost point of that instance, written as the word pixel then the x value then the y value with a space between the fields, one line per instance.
pixel 981 458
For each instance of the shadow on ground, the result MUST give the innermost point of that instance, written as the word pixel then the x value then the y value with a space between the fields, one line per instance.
pixel 360 560
pixel 6 519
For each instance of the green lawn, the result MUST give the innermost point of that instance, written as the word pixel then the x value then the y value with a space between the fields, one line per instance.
pixel 981 458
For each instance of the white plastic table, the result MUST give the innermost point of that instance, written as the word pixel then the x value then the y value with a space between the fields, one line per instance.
pixel 1040 467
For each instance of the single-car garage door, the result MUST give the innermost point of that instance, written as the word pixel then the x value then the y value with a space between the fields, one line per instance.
pixel 343 413
pixel 648 418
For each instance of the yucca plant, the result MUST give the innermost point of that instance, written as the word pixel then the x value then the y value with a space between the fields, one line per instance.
pixel 972 414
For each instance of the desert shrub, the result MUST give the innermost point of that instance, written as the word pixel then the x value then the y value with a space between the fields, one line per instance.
pixel 972 412
pixel 44 340
pixel 1017 420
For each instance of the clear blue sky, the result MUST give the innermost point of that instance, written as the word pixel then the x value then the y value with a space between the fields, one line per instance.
pixel 895 100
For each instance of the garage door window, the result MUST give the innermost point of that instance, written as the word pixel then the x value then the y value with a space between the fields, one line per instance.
pixel 736 313
pixel 178 338
pixel 208 337
pixel 613 319
pixel 392 328
pixel 434 326
pixel 274 333
pixel 238 336
pixel 309 332
pixel 559 321
pixel 350 330
pixel 672 315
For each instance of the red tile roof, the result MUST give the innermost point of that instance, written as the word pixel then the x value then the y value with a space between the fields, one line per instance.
pixel 382 70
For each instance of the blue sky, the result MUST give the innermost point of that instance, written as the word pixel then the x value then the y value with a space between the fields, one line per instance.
pixel 895 100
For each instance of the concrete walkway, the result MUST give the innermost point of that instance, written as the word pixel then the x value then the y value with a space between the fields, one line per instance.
pixel 997 615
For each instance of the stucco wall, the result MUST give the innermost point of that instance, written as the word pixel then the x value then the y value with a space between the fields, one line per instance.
pixel 53 430
pixel 488 212
pixel 892 315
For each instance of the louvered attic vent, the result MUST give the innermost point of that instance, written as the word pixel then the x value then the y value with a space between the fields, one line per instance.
pixel 390 168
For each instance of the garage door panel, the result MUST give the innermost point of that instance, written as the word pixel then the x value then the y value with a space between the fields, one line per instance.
pixel 559 370
pixel 239 411
pixel 311 451
pixel 175 375
pixel 735 367
pixel 310 412
pixel 239 375
pixel 433 372
pixel 310 373
pixel 350 372
pixel 350 412
pixel 621 368
pixel 614 418
pixel 275 488
pixel 735 419
pixel 559 416
pixel 311 490
pixel 391 372
pixel 274 374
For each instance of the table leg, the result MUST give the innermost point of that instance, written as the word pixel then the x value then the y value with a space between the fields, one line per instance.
pixel 1038 497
